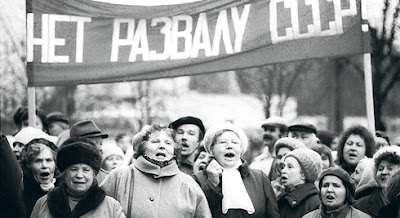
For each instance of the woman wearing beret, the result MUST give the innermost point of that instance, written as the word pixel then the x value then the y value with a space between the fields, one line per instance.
pixel 154 186
pixel 39 168
pixel 301 169
pixel 354 144
pixel 336 193
pixel 387 163
pixel 79 195
pixel 231 187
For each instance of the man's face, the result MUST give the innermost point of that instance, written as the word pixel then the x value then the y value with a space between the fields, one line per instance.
pixel 307 138
pixel 187 135
pixel 271 134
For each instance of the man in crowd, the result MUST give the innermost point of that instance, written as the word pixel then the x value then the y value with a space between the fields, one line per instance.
pixel 189 133
pixel 87 129
pixel 305 132
pixel 274 129
pixel 57 123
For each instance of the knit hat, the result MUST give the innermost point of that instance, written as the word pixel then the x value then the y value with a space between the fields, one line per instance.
pixel 367 179
pixel 211 133
pixel 25 135
pixel 78 152
pixel 342 174
pixel 310 162
pixel 109 149
pixel 290 143
pixel 383 153
pixel 86 128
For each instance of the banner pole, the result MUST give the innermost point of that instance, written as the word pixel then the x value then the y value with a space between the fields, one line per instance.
pixel 31 106
pixel 369 97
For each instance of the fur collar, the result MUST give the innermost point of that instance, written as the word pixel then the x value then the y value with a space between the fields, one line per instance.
pixel 59 206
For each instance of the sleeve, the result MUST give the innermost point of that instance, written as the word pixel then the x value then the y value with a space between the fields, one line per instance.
pixel 202 208
pixel 37 207
pixel 118 210
pixel 110 184
pixel 271 205
pixel 212 193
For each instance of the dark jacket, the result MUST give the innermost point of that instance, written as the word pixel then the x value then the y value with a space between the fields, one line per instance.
pixel 257 186
pixel 298 202
pixel 32 192
pixel 11 186
pixel 371 204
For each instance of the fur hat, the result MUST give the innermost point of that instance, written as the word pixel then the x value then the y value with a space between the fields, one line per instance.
pixel 391 153
pixel 109 149
pixel 342 174
pixel 310 162
pixel 210 135
pixel 187 120
pixel 78 152
pixel 393 188
pixel 290 143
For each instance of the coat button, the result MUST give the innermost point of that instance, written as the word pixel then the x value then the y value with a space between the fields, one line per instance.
pixel 151 199
pixel 294 202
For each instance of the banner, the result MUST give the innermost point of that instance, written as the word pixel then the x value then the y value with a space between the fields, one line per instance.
pixel 100 41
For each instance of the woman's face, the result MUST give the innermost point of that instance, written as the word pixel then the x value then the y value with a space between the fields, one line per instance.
pixel 354 150
pixel 325 161
pixel 333 192
pixel 385 171
pixel 160 146
pixel 356 176
pixel 282 152
pixel 201 162
pixel 43 165
pixel 112 162
pixel 227 149
pixel 79 178
pixel 292 174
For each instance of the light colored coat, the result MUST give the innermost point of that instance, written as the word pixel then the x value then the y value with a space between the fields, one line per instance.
pixel 146 190
pixel 109 207
pixel 352 213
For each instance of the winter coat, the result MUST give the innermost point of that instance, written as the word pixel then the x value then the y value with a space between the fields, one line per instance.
pixel 371 204
pixel 345 211
pixel 300 201
pixel 257 186
pixel 101 175
pixel 94 204
pixel 148 190
pixel 11 185
pixel 186 166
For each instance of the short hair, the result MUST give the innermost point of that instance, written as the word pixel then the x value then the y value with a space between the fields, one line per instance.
pixel 30 152
pixel 390 157
pixel 364 134
pixel 146 135
pixel 22 114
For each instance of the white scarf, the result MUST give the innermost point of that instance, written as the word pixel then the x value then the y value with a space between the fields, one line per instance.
pixel 234 192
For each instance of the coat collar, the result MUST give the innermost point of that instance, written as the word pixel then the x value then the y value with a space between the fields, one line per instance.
pixel 244 169
pixel 155 170
pixel 58 205
pixel 299 194
pixel 340 212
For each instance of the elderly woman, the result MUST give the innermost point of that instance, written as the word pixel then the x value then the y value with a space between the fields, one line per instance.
pixel 301 169
pixel 153 186
pixel 364 178
pixel 79 195
pixel 111 158
pixel 355 143
pixel 336 193
pixel 38 167
pixel 231 187
pixel 387 163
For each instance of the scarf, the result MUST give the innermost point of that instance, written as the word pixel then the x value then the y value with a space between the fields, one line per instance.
pixel 159 163
pixel 340 212
pixel 234 193
pixel 59 206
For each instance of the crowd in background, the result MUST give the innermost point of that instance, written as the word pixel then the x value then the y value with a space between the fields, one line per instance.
pixel 58 169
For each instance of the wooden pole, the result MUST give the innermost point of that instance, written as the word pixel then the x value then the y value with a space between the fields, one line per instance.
pixel 31 106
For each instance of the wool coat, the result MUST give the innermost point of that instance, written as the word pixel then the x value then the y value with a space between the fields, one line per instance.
pixel 257 186
pixel 372 203
pixel 11 185
pixel 346 211
pixel 148 190
pixel 94 204
pixel 300 201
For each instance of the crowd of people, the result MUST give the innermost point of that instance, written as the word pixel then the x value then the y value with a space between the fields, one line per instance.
pixel 58 169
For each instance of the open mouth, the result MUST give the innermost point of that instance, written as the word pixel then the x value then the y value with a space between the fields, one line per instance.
pixel 352 155
pixel 160 155
pixel 284 178
pixel 202 166
pixel 230 155
pixel 44 174
pixel 330 197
